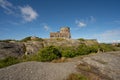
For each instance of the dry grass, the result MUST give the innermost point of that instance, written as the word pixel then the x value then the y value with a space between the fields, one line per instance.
pixel 89 71
pixel 62 59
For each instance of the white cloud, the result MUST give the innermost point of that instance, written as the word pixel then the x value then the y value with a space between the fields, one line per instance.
pixel 28 13
pixel 46 27
pixel 109 36
pixel 85 22
pixel 7 6
pixel 80 23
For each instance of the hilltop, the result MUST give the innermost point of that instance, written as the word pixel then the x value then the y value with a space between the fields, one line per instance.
pixel 31 45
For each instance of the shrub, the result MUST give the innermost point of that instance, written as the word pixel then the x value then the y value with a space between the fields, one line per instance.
pixel 7 40
pixel 93 48
pixel 68 53
pixel 82 50
pixel 26 39
pixel 49 53
pixel 29 39
pixel 106 47
pixel 81 39
pixel 8 61
pixel 25 58
pixel 39 39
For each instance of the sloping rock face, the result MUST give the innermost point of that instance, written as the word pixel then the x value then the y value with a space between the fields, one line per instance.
pixel 37 71
pixel 67 42
pixel 106 65
pixel 17 49
pixel 33 47
pixel 11 49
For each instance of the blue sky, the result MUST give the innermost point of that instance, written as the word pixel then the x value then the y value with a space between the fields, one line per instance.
pixel 89 19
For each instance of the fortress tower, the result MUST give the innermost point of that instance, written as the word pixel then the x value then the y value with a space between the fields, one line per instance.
pixel 63 33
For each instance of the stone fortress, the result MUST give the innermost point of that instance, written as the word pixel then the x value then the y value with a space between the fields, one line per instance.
pixel 63 33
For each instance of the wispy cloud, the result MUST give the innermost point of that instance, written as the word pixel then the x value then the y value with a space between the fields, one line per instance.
pixel 46 27
pixel 109 36
pixel 7 6
pixel 28 13
pixel 80 23
pixel 85 22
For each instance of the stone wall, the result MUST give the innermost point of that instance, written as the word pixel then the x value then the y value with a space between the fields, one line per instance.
pixel 63 33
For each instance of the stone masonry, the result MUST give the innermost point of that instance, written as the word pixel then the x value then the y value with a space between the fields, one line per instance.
pixel 63 33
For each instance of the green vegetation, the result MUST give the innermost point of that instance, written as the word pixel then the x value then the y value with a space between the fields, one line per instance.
pixel 107 47
pixel 52 52
pixel 118 45
pixel 60 39
pixel 68 52
pixel 29 39
pixel 26 39
pixel 49 53
pixel 81 39
pixel 75 76
pixel 7 40
pixel 8 61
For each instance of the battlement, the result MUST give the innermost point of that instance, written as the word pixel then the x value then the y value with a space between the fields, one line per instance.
pixel 63 33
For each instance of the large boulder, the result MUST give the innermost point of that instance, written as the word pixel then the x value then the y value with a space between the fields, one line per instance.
pixel 33 47
pixel 14 49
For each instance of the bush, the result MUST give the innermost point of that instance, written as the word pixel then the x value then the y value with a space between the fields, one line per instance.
pixel 38 39
pixel 68 53
pixel 106 47
pixel 81 39
pixel 8 61
pixel 49 53
pixel 29 39
pixel 82 50
pixel 26 39
pixel 26 58
pixel 7 40
pixel 93 48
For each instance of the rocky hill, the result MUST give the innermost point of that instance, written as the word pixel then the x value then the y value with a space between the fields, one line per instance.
pixel 11 49
pixel 18 48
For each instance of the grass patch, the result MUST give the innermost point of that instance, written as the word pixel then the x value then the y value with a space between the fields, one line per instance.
pixel 8 61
